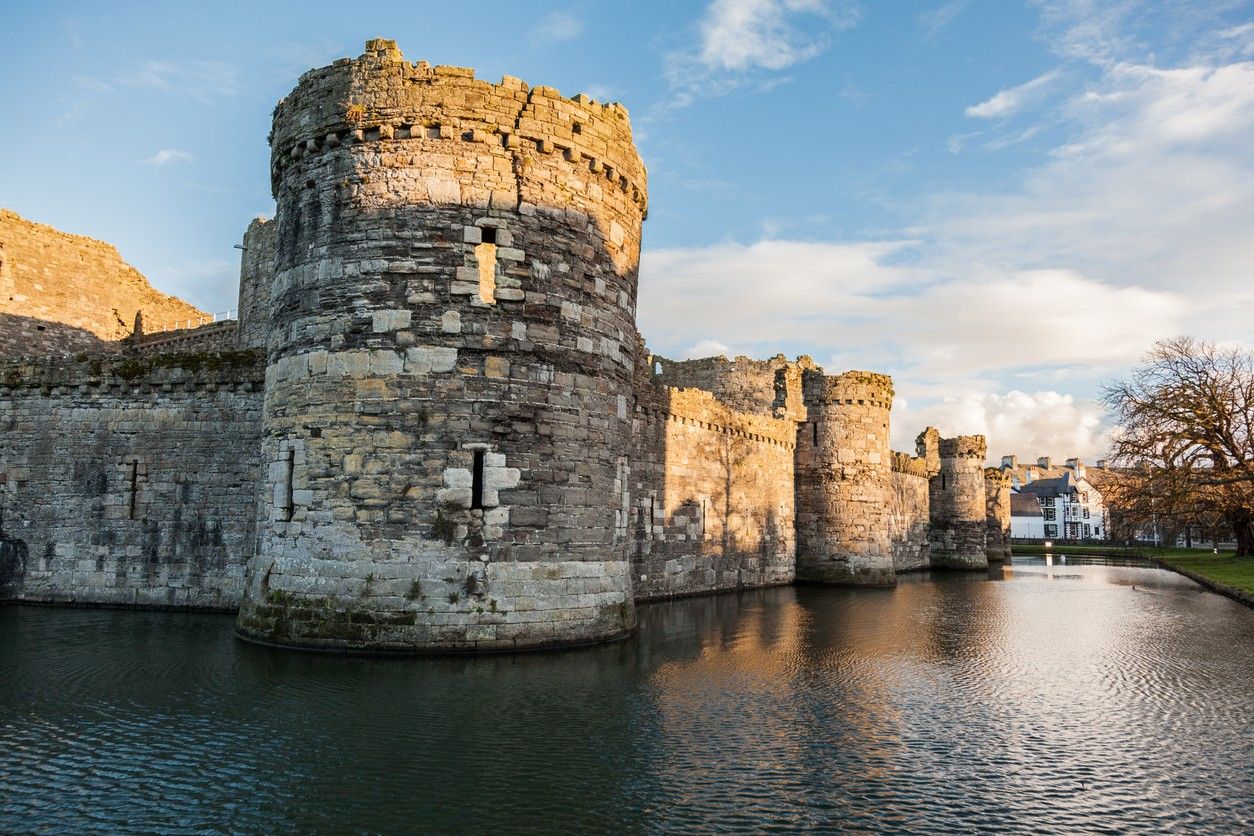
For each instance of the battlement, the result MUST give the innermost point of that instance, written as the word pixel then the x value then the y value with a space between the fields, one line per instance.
pixel 849 388
pixel 704 410
pixel 964 446
pixel 162 372
pixel 764 387
pixel 381 98
pixel 908 464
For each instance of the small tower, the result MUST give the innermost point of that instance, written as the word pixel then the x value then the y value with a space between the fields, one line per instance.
pixel 450 359
pixel 997 514
pixel 844 479
pixel 956 499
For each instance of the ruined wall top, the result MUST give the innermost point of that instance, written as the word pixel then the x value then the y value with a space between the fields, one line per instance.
pixel 763 387
pixel 912 465
pixel 64 293
pixel 964 446
pixel 380 96
pixel 852 387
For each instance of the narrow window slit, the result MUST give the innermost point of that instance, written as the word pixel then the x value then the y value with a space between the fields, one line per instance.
pixel 130 514
pixel 289 468
pixel 815 429
pixel 485 258
pixel 476 480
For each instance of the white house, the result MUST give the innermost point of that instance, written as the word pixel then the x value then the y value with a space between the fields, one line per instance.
pixel 1071 508
pixel 1026 519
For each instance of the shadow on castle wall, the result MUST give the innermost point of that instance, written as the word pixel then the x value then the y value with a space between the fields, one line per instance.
pixel 25 336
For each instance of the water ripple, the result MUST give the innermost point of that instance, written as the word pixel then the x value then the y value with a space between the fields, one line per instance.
pixel 1063 699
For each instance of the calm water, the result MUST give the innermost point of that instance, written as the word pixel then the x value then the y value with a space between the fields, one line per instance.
pixel 1056 698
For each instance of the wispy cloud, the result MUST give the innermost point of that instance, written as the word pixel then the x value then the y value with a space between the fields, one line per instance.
pixel 936 20
pixel 558 26
pixel 169 155
pixel 740 40
pixel 200 80
pixel 1012 99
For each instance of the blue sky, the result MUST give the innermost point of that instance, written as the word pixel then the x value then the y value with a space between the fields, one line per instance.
pixel 1000 203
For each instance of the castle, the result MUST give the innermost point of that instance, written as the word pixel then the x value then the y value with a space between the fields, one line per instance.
pixel 434 425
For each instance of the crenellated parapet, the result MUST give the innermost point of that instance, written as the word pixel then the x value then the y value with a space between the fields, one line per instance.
pixel 909 465
pixel 461 140
pixel 765 387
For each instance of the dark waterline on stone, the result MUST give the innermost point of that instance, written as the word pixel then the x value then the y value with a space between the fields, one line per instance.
pixel 1064 697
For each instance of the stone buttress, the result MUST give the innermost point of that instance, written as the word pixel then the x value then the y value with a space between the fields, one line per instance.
pixel 844 480
pixel 449 381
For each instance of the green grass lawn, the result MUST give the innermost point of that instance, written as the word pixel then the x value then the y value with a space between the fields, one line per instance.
pixel 1222 568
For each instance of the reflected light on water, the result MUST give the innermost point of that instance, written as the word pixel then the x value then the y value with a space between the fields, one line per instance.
pixel 1038 697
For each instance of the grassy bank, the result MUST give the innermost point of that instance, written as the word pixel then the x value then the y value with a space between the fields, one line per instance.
pixel 1222 569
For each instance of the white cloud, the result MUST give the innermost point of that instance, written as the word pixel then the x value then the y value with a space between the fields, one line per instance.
pixel 1155 189
pixel 1013 99
pixel 742 34
pixel 706 348
pixel 558 26
pixel 169 155
pixel 856 302
pixel 738 40
pixel 1029 425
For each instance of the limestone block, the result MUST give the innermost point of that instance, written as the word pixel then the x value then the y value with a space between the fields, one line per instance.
pixel 497 367
pixel 501 477
pixel 391 320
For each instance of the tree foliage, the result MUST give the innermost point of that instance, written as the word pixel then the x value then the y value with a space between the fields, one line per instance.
pixel 1186 436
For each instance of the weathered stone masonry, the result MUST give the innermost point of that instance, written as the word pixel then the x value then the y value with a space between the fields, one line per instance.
pixel 129 481
pixel 435 425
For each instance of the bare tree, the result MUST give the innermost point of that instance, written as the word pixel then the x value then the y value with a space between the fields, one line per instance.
pixel 1186 433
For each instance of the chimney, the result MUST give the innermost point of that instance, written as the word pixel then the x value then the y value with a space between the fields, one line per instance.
pixel 1044 462
pixel 1077 467
pixel 1009 461
pixel 1101 463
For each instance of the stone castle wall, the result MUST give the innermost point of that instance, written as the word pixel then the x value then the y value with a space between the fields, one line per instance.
pixel 434 425
pixel 711 502
pixel 256 272
pixel 908 515
pixel 997 514
pixel 129 481
pixel 64 294
pixel 758 387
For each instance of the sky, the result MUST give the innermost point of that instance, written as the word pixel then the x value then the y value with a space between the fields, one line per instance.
pixel 1002 204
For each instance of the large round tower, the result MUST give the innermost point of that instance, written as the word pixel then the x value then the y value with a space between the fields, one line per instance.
pixel 844 480
pixel 448 387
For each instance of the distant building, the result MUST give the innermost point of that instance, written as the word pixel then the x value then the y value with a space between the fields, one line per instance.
pixel 1027 521
pixel 1070 503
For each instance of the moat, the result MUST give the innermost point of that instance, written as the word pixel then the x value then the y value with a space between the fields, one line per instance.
pixel 1056 698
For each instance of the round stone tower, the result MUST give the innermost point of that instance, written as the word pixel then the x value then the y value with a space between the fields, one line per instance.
pixel 448 388
pixel 844 480
pixel 956 499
